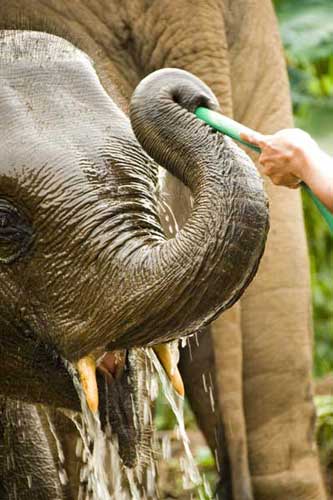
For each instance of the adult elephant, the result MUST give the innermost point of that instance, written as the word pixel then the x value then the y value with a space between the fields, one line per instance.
pixel 87 275
pixel 261 349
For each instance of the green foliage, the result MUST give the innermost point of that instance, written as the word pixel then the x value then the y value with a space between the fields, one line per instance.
pixel 321 257
pixel 306 28
pixel 324 406
pixel 165 418
pixel 307 33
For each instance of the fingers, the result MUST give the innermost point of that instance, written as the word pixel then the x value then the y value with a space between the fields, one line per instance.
pixel 285 180
pixel 253 138
pixel 295 186
pixel 275 158
pixel 279 176
pixel 282 182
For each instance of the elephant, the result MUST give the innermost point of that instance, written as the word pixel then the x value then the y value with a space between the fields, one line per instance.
pixel 258 354
pixel 264 342
pixel 88 277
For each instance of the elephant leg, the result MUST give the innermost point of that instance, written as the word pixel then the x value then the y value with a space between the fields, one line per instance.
pixel 27 466
pixel 277 366
pixel 197 367
pixel 227 345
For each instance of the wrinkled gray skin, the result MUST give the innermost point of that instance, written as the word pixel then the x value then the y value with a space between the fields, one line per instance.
pixel 84 263
pixel 30 476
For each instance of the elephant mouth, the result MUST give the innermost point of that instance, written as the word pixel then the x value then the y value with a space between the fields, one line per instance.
pixel 111 389
pixel 112 365
pixel 111 386
pixel 120 378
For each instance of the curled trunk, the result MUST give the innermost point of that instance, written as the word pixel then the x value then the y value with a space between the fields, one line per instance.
pixel 179 285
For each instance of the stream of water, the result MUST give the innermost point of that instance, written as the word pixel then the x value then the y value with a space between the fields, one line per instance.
pixel 103 476
pixel 191 475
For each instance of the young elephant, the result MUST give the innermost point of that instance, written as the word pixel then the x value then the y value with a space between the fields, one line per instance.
pixel 85 268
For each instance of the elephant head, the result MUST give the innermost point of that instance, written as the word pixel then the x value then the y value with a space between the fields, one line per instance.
pixel 85 267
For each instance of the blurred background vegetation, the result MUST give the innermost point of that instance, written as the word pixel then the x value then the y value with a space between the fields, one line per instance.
pixel 307 32
pixel 306 28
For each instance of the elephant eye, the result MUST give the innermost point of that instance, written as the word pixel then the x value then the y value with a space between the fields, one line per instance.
pixel 16 232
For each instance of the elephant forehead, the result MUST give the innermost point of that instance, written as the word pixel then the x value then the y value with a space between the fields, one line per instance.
pixel 38 166
pixel 53 106
pixel 49 88
pixel 34 163
pixel 38 157
pixel 38 149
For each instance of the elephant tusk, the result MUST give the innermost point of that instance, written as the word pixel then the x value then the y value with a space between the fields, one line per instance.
pixel 169 361
pixel 87 371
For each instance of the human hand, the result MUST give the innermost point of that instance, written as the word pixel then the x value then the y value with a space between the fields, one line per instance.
pixel 286 155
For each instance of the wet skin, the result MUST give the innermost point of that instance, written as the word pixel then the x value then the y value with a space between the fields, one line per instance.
pixel 81 241
pixel 238 54
pixel 84 264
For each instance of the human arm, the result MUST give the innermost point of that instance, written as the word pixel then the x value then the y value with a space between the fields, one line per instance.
pixel 291 156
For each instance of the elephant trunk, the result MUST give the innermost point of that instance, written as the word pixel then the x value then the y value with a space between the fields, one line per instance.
pixel 178 286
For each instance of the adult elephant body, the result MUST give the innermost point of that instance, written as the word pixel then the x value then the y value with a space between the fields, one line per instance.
pixel 262 348
pixel 221 42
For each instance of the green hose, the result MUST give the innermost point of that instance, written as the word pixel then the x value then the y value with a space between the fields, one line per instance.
pixel 233 129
